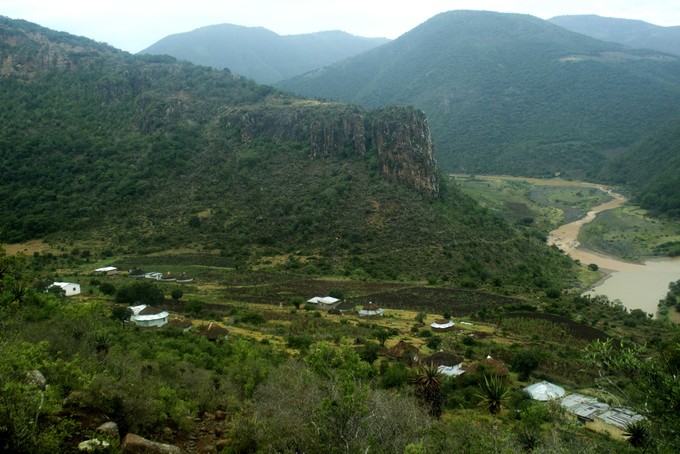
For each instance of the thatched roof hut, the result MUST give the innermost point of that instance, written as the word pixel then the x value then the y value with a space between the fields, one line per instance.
pixel 371 310
pixel 489 364
pixel 213 331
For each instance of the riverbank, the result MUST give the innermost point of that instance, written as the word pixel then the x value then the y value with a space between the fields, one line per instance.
pixel 637 284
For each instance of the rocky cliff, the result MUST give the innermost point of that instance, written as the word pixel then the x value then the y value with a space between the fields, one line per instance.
pixel 400 136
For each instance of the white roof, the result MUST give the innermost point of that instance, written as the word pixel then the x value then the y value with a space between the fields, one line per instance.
pixel 451 370
pixel 323 300
pixel 137 309
pixel 158 316
pixel 62 284
pixel 583 406
pixel 544 391
pixel 106 269
pixel 620 417
pixel 371 312
pixel 448 324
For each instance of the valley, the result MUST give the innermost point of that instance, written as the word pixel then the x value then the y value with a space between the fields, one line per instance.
pixel 224 267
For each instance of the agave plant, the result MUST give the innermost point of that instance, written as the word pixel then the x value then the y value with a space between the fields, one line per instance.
pixel 494 393
pixel 428 382
pixel 637 433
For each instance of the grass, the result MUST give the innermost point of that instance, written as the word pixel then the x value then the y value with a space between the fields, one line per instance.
pixel 630 234
pixel 547 203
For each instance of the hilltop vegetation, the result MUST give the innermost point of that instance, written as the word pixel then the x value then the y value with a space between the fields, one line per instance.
pixel 508 93
pixel 260 54
pixel 632 33
pixel 140 154
pixel 650 167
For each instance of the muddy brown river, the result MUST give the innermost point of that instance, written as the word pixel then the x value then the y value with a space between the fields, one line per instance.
pixel 636 285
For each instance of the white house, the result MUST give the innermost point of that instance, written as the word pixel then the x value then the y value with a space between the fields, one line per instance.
pixel 69 288
pixel 324 302
pixel 147 316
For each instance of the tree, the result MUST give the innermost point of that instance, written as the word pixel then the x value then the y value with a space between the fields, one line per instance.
pixel 434 342
pixel 420 317
pixel 382 335
pixel 369 353
pixel 177 294
pixel 107 288
pixel 647 380
pixel 428 382
pixel 140 293
pixel 121 313
pixel 494 393
pixel 525 363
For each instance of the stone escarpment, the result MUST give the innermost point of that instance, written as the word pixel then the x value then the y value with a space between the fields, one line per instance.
pixel 400 136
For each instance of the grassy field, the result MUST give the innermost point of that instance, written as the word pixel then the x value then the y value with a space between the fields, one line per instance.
pixel 630 234
pixel 544 204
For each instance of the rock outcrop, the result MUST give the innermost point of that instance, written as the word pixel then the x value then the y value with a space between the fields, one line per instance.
pixel 134 444
pixel 400 136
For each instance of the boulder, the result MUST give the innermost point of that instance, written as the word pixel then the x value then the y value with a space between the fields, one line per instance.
pixel 36 378
pixel 134 444
pixel 110 430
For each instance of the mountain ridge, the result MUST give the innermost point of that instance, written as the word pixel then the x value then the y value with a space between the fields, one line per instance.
pixel 143 154
pixel 510 93
pixel 632 33
pixel 259 53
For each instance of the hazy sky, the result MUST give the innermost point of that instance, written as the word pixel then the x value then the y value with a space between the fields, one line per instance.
pixel 133 25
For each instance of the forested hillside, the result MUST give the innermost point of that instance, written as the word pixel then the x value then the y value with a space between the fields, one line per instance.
pixel 139 154
pixel 508 93
pixel 260 54
pixel 651 167
pixel 632 33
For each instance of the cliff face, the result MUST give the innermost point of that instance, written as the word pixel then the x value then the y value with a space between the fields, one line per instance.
pixel 402 139
pixel 399 136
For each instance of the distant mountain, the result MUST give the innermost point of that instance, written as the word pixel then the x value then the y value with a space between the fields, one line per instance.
pixel 140 154
pixel 632 33
pixel 261 54
pixel 509 93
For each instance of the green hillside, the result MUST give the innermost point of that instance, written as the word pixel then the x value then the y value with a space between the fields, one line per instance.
pixel 141 154
pixel 260 54
pixel 632 33
pixel 651 167
pixel 508 93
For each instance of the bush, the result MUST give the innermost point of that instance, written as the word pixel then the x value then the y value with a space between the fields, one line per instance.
pixel 107 288
pixel 140 293
pixel 526 362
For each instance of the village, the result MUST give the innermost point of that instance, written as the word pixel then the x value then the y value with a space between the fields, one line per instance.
pixel 397 344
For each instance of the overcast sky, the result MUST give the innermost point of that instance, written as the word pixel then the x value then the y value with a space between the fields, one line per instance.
pixel 133 25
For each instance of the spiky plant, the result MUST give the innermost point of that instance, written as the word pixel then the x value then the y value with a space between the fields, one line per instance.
pixel 528 437
pixel 637 433
pixel 494 393
pixel 428 383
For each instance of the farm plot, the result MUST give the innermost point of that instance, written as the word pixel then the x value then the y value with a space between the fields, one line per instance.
pixel 550 326
pixel 458 302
